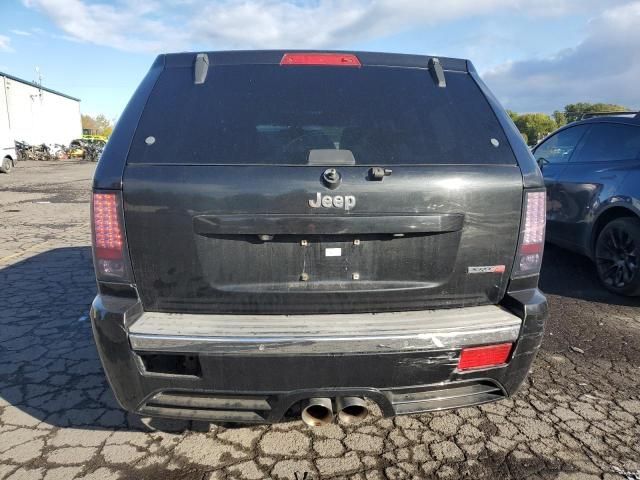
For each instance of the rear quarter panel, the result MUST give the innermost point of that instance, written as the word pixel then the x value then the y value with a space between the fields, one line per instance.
pixel 110 168
pixel 626 195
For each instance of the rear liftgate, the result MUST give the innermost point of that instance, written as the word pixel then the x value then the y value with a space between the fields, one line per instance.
pixel 326 202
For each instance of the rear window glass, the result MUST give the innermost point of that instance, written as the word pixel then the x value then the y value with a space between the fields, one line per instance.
pixel 610 141
pixel 268 114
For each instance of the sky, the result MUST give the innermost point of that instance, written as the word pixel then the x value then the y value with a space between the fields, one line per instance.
pixel 536 55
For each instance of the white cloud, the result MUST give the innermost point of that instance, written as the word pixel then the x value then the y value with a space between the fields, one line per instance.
pixel 132 26
pixel 334 23
pixel 169 25
pixel 5 44
pixel 604 67
pixel 22 33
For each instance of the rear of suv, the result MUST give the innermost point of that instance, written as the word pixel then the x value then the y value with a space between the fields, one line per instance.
pixel 304 233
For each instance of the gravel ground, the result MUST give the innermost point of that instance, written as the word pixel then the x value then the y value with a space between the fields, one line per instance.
pixel 578 415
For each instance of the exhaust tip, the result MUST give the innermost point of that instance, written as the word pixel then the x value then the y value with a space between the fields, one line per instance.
pixel 352 409
pixel 318 412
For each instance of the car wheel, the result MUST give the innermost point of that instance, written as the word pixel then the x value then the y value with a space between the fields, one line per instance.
pixel 6 165
pixel 617 253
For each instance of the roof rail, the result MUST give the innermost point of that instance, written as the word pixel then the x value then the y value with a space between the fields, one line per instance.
pixel 608 114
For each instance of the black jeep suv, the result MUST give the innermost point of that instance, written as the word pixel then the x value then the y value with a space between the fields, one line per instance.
pixel 284 233
pixel 592 172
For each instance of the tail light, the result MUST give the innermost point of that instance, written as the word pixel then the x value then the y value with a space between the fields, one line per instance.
pixel 318 59
pixel 484 357
pixel 110 252
pixel 531 242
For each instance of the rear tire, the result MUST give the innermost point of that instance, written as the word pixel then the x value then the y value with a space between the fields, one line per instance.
pixel 6 165
pixel 617 255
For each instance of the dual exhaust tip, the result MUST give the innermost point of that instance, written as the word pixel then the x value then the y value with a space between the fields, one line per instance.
pixel 319 411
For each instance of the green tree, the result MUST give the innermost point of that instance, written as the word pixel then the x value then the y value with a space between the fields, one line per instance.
pixel 103 125
pixel 100 125
pixel 535 126
pixel 560 118
pixel 575 111
pixel 88 122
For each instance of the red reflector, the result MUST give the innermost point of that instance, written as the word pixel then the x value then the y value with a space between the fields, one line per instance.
pixel 329 59
pixel 484 357
pixel 107 232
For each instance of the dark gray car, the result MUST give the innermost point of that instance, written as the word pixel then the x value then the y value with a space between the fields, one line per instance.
pixel 293 233
pixel 592 173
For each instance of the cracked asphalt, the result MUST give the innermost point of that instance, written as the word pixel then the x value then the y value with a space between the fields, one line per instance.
pixel 577 416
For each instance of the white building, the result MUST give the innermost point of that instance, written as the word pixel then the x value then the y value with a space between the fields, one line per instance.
pixel 35 114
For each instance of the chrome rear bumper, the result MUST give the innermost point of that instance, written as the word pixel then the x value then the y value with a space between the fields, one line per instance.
pixel 317 334
pixel 215 367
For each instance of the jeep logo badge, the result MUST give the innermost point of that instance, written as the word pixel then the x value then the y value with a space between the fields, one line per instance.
pixel 338 201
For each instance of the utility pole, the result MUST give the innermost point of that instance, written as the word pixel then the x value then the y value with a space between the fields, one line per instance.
pixel 38 83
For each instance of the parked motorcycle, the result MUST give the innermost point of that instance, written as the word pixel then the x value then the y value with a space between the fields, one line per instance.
pixel 25 151
pixel 92 151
